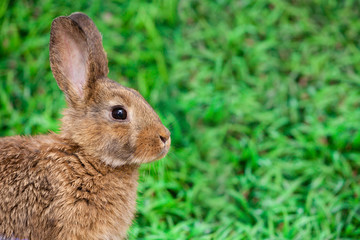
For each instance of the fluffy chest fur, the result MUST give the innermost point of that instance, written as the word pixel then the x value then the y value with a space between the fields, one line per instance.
pixel 58 188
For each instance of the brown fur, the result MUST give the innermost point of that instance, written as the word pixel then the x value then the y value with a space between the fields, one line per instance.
pixel 80 184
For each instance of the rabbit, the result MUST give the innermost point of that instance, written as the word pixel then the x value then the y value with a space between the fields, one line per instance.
pixel 82 182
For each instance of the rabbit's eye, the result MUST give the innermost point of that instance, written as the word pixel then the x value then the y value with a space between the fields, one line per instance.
pixel 119 113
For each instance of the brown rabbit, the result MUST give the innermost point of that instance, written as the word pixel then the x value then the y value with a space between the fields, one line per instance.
pixel 81 183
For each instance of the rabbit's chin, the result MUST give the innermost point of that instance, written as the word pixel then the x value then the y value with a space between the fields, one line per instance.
pixel 158 156
pixel 116 162
pixel 164 151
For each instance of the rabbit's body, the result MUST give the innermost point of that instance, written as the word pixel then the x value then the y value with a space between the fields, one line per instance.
pixel 47 183
pixel 80 184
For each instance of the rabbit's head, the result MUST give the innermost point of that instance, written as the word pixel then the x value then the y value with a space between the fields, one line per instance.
pixel 109 121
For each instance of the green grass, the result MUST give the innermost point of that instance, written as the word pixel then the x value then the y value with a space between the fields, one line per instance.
pixel 262 99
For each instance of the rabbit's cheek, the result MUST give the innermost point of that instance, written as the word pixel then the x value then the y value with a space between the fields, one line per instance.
pixel 144 148
pixel 119 151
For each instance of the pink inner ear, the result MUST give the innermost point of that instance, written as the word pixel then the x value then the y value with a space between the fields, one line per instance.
pixel 74 64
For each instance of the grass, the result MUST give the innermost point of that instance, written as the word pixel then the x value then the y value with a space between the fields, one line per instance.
pixel 262 99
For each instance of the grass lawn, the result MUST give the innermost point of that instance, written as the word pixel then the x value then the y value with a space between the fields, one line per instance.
pixel 262 99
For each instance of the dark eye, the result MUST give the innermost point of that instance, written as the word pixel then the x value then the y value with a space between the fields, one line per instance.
pixel 119 113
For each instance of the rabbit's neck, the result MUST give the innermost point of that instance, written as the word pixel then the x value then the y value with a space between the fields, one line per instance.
pixel 104 163
pixel 82 161
pixel 88 161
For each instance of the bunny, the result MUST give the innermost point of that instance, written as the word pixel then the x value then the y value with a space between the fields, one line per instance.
pixel 80 183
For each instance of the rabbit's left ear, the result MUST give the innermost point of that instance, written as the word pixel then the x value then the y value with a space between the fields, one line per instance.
pixel 94 39
pixel 77 57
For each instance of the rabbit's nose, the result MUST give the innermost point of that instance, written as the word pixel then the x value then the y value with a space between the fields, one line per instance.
pixel 163 139
pixel 164 135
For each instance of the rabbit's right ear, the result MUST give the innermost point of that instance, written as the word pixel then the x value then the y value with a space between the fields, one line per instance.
pixel 72 59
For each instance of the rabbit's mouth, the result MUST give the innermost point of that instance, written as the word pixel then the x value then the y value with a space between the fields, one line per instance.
pixel 164 150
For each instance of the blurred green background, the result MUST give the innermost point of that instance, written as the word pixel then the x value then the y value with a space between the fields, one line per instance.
pixel 262 99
